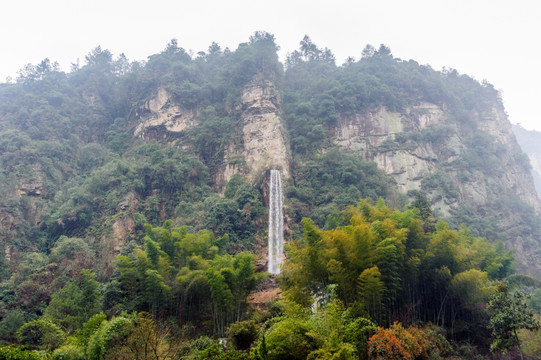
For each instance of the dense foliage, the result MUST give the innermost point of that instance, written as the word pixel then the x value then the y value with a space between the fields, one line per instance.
pixel 383 262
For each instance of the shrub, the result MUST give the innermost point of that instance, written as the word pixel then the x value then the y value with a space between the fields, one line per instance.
pixel 242 334
pixel 289 339
pixel 41 334
pixel 384 345
pixel 11 352
pixel 411 343
pixel 69 352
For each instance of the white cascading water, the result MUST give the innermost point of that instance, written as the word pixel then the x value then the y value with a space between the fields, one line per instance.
pixel 276 223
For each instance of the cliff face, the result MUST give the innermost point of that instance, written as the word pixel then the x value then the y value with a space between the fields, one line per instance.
pixel 535 161
pixel 374 135
pixel 419 162
pixel 161 110
pixel 369 133
pixel 264 142
pixel 529 142
pixel 257 144
pixel 260 143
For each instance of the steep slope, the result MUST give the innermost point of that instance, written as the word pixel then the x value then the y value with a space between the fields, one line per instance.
pixel 442 167
pixel 443 135
pixel 433 137
pixel 529 142
pixel 144 187
pixel 258 143
pixel 382 136
pixel 161 111
pixel 264 142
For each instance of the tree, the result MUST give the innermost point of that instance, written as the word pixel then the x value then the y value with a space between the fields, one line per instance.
pixel 149 340
pixel 242 334
pixel 368 51
pixel 222 299
pixel 309 50
pixel 71 352
pixel 109 339
pixel 99 57
pixel 72 305
pixel 13 320
pixel 41 334
pixel 371 288
pixel 289 339
pixel 508 314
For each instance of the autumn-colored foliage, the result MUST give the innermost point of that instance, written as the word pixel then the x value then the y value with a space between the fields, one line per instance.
pixel 384 345
pixel 398 342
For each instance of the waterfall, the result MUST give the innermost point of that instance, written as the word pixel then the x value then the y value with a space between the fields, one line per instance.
pixel 276 223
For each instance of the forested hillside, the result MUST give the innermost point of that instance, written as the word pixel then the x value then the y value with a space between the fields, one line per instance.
pixel 133 209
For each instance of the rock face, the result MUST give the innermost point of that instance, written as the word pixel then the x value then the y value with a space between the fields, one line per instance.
pixel 530 142
pixel 535 161
pixel 410 148
pixel 263 142
pixel 258 144
pixel 27 193
pixel 369 133
pixel 110 245
pixel 264 135
pixel 375 135
pixel 161 110
pixel 516 176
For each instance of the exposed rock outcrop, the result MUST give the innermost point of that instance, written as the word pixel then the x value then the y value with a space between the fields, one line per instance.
pixel 373 135
pixel 35 185
pixel 529 142
pixel 258 144
pixel 386 138
pixel 263 139
pixel 264 135
pixel 515 177
pixel 161 110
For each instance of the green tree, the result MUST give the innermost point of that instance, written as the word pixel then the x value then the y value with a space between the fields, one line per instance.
pixel 109 340
pixel 76 302
pixel 222 300
pixel 10 323
pixel 69 352
pixel 508 314
pixel 41 334
pixel 289 340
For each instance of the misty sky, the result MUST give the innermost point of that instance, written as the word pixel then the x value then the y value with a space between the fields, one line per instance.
pixel 494 40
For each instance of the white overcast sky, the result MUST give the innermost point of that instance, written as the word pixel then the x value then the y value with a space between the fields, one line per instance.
pixel 496 40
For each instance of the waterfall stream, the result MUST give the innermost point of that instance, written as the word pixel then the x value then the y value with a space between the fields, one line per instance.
pixel 276 223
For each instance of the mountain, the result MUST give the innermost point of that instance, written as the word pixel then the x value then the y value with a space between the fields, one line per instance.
pixel 100 151
pixel 134 203
pixel 441 134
